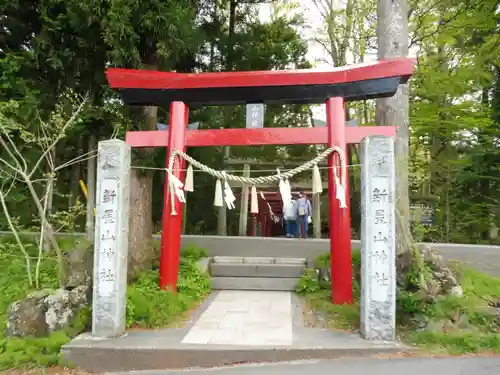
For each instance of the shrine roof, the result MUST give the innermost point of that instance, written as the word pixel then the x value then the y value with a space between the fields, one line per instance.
pixel 307 86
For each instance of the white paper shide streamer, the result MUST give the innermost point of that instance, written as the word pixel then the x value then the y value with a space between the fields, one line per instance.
pixel 189 182
pixel 254 203
pixel 285 190
pixel 340 189
pixel 229 197
pixel 218 198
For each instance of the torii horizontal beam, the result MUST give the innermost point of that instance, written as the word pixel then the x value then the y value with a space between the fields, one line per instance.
pixel 354 82
pixel 254 137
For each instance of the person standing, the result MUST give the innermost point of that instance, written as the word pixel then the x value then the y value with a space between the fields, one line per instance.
pixel 303 211
pixel 290 218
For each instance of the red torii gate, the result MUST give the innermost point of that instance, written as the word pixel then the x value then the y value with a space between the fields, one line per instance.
pixel 180 90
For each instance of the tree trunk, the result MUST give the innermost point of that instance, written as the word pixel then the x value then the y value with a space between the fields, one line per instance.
pixel 392 38
pixel 141 251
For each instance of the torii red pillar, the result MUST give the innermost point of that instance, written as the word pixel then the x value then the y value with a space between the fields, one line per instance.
pixel 340 221
pixel 172 224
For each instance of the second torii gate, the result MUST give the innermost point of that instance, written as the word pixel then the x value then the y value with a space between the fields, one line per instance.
pixel 179 91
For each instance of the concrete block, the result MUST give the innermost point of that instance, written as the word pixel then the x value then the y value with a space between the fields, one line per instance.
pixel 225 259
pixel 290 260
pixel 258 260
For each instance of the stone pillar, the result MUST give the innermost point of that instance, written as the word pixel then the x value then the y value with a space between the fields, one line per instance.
pixel 111 239
pixel 378 239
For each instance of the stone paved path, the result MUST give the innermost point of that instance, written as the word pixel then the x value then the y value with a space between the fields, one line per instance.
pixel 256 318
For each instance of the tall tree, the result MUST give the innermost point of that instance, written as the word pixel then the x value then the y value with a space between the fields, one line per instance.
pixel 155 34
pixel 393 40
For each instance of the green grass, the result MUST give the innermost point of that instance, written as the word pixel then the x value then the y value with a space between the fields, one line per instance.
pixel 462 324
pixel 479 332
pixel 150 307
pixel 147 306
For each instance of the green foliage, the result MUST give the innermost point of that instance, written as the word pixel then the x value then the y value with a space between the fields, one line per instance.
pixel 318 294
pixel 150 307
pixel 322 262
pixel 33 352
pixel 473 322
pixel 458 342
pixel 468 324
pixel 29 352
pixel 454 144
pixel 193 252
pixel 71 44
pixel 308 282
pixel 147 306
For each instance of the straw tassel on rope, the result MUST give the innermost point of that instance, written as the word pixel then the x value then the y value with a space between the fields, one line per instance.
pixel 254 203
pixel 218 198
pixel 188 182
pixel 175 185
pixel 317 185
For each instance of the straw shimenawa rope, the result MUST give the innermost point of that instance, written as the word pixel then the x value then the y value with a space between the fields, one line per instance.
pixel 253 180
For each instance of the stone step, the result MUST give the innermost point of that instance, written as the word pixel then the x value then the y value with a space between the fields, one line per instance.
pixel 254 283
pixel 147 350
pixel 257 260
pixel 256 270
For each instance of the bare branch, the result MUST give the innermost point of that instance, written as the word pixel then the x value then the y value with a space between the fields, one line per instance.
pixel 60 136
pixel 12 183
pixel 11 176
pixel 16 150
pixel 9 151
pixel 89 155
pixel 324 45
pixel 45 138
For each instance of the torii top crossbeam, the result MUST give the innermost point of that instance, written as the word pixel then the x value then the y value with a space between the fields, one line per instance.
pixel 354 82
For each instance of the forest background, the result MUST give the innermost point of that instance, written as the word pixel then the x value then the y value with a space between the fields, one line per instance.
pixel 56 105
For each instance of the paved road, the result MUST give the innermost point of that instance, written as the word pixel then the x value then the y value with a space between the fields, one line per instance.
pixel 485 258
pixel 355 366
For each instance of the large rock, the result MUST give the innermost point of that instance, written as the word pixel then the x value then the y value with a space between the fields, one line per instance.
pixel 80 264
pixel 441 272
pixel 44 312
pixel 27 317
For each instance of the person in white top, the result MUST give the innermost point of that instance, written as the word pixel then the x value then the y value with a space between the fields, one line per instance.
pixel 290 217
